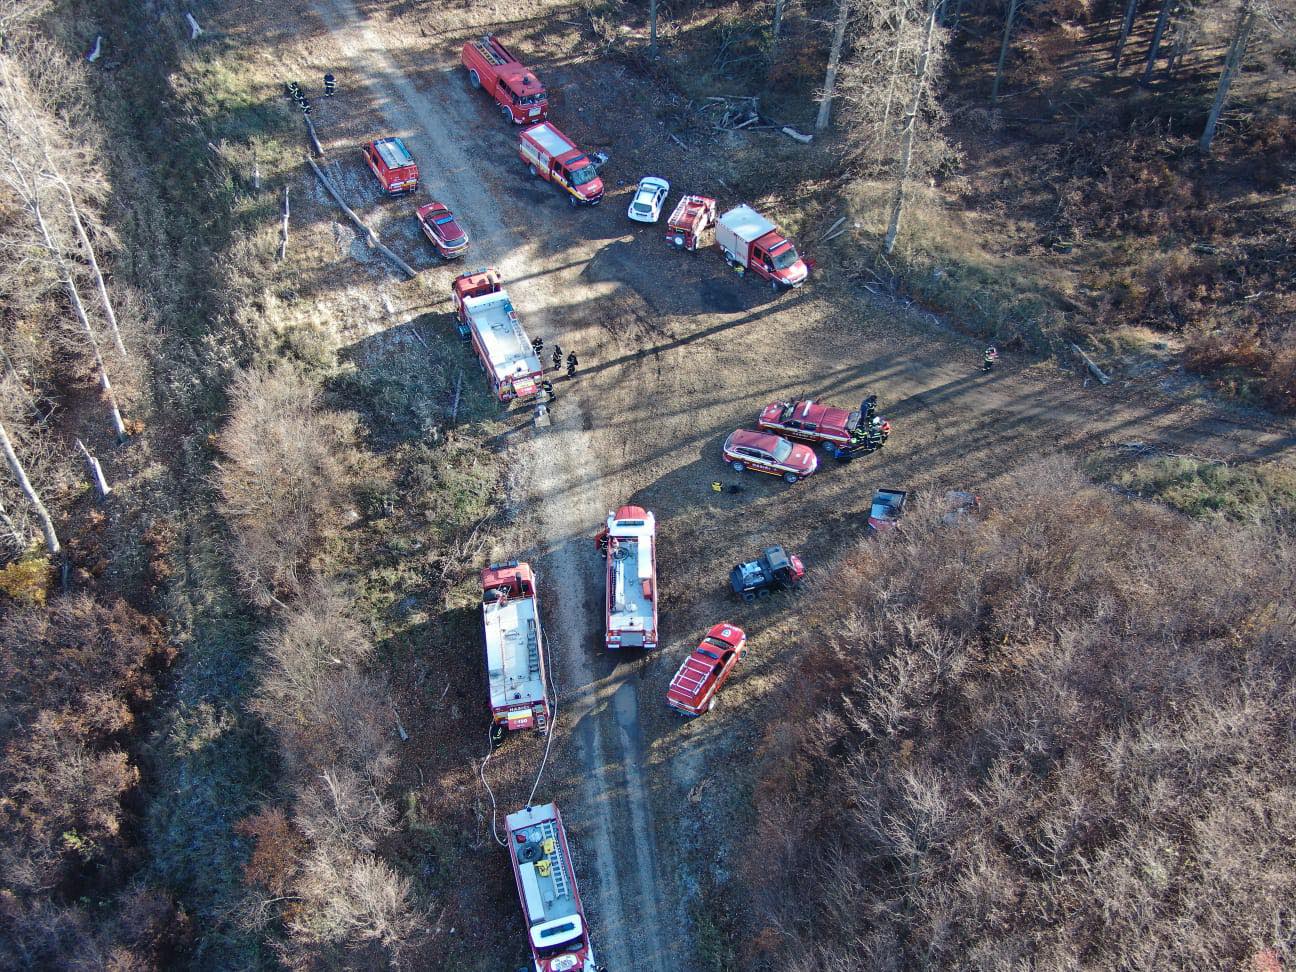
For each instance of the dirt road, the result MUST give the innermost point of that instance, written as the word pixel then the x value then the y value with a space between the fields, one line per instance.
pixel 675 354
pixel 557 479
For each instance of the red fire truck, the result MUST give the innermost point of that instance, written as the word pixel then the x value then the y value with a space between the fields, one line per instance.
pixel 554 157
pixel 515 661
pixel 486 313
pixel 749 241
pixel 546 883
pixel 691 223
pixel 392 165
pixel 520 95
pixel 629 541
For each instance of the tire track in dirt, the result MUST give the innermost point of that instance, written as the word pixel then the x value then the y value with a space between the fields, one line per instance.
pixel 558 473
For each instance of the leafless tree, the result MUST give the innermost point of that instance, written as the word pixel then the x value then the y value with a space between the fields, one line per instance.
pixel 844 9
pixel 922 71
pixel 1010 20
pixel 285 474
pixel 33 497
pixel 1246 21
pixel 1158 32
pixel 1127 24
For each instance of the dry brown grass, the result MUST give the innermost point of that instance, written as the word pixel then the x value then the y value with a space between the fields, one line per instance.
pixel 1060 734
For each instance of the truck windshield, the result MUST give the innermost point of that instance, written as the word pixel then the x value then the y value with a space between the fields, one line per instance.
pixel 784 259
pixel 586 173
pixel 527 100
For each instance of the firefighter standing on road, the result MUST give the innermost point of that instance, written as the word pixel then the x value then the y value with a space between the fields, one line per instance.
pixel 330 85
pixel 571 364
pixel 557 357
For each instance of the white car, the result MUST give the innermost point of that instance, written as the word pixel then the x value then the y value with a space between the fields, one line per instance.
pixel 646 206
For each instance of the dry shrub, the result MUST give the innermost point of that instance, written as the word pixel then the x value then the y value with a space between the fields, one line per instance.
pixel 1059 735
pixel 350 899
pixel 73 678
pixel 286 476
pixel 1270 358
pixel 275 852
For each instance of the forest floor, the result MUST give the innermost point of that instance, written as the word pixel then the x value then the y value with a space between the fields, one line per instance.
pixel 675 353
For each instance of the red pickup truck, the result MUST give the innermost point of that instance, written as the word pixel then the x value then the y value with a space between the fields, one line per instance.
pixel 520 95
pixel 552 156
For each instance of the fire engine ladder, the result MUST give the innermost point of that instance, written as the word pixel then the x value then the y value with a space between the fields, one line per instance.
pixel 558 867
pixel 533 647
pixel 487 51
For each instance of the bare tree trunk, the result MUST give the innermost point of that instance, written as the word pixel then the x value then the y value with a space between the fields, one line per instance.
pixel 1127 24
pixel 1158 32
pixel 20 474
pixel 74 295
pixel 911 123
pixel 1013 6
pixel 94 266
pixel 652 29
pixel 96 471
pixel 895 67
pixel 1237 50
pixel 834 59
pixel 778 24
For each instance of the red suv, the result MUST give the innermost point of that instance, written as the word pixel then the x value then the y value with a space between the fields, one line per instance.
pixel 692 691
pixel 392 164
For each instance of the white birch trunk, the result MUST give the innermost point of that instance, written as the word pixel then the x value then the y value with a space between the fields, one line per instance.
pixel 652 29
pixel 1237 50
pixel 84 237
pixel 834 60
pixel 20 474
pixel 901 17
pixel 911 123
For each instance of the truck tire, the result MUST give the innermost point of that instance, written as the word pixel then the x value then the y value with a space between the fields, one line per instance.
pixel 763 594
pixel 792 477
pixel 828 446
pixel 474 79
pixel 774 285
pixel 748 596
pixel 572 201
pixel 534 173
pixel 508 115
pixel 739 466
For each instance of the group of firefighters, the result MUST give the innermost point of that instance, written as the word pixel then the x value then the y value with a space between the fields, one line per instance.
pixel 546 396
pixel 295 92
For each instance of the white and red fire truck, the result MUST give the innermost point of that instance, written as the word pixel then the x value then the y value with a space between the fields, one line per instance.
pixel 691 223
pixel 552 156
pixel 629 542
pixel 518 92
pixel 486 313
pixel 749 241
pixel 515 661
pixel 546 883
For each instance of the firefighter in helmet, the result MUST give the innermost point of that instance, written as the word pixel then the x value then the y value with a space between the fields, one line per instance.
pixel 989 358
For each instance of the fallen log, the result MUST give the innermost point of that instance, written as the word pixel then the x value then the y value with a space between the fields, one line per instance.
pixel 314 138
pixel 1097 372
pixel 194 30
pixel 371 238
pixel 825 233
pixel 792 133
pixel 96 471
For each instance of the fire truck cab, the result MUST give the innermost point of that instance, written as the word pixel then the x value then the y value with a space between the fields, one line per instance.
pixel 518 92
pixel 515 661
pixel 552 156
pixel 749 241
pixel 692 222
pixel 546 883
pixel 629 541
pixel 392 165
pixel 474 283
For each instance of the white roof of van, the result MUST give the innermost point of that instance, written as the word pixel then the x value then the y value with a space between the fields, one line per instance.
pixel 746 224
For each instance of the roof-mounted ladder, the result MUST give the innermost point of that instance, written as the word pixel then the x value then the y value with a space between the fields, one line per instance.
pixel 558 870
